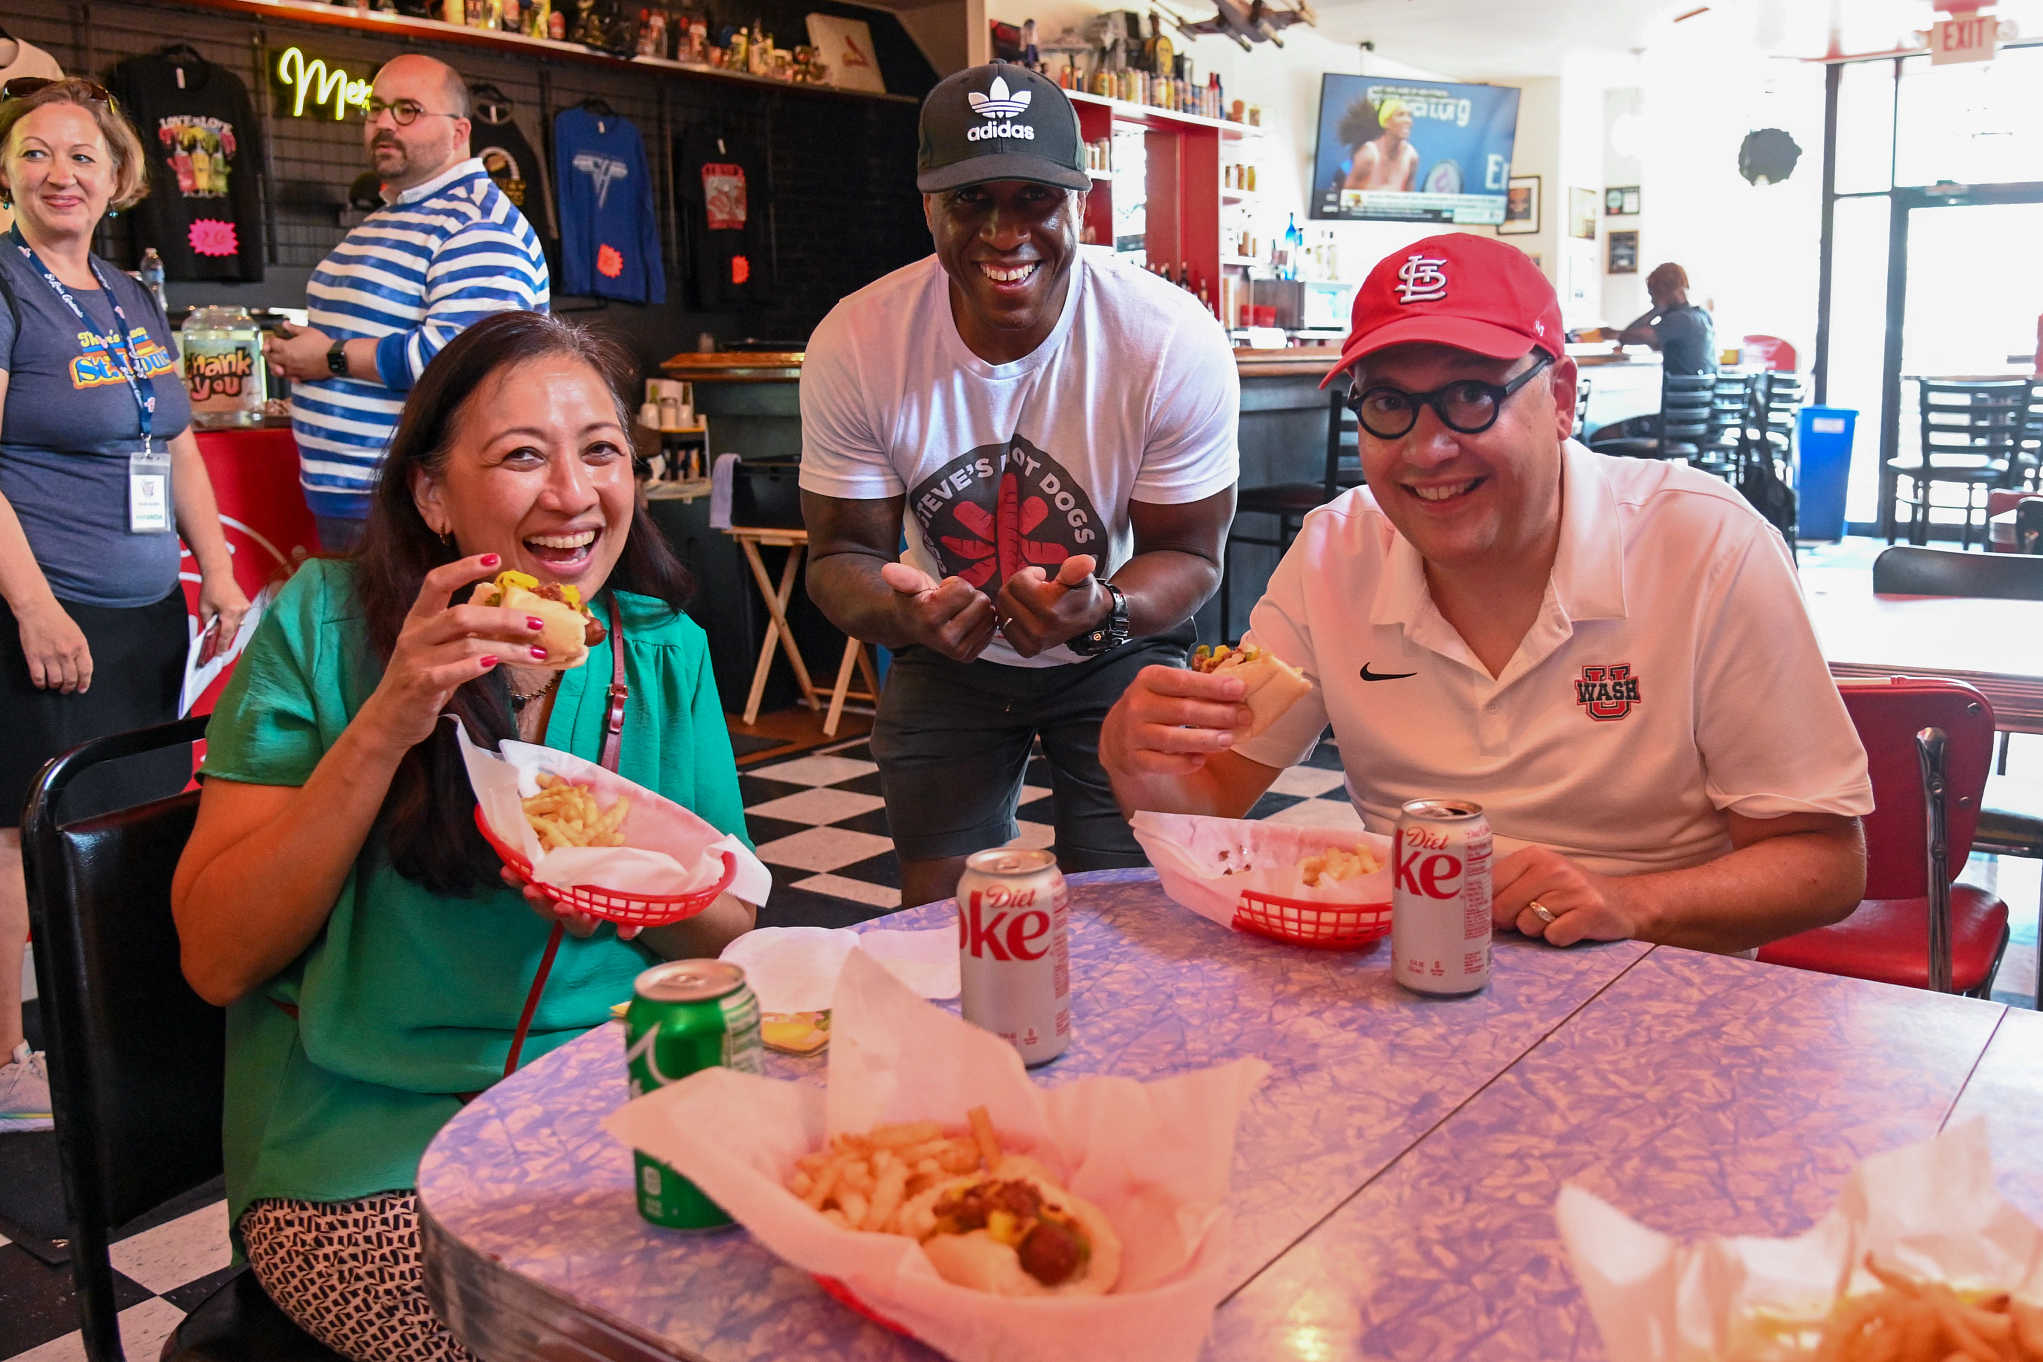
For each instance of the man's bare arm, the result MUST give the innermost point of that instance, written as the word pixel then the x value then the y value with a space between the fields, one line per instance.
pixel 855 579
pixel 1785 875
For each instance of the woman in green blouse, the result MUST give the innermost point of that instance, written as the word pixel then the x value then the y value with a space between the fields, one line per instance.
pixel 335 895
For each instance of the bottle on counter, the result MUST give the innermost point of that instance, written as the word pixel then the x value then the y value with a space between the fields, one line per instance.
pixel 151 275
pixel 224 374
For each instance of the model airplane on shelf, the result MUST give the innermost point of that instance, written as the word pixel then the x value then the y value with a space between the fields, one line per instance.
pixel 1254 22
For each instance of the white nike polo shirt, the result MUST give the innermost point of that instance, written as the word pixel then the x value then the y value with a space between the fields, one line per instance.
pixel 1671 675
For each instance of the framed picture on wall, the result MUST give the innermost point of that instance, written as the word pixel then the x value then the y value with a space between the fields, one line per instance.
pixel 1624 252
pixel 1521 207
pixel 846 46
pixel 1582 213
pixel 1621 201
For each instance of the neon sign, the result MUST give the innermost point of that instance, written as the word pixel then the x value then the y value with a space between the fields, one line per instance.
pixel 322 85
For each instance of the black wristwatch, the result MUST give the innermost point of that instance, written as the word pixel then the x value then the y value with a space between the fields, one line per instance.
pixel 1109 633
pixel 337 359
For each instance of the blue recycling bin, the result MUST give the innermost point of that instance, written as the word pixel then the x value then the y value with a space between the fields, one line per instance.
pixel 1822 467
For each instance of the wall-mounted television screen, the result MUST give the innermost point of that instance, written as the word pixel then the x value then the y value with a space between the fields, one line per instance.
pixel 1413 150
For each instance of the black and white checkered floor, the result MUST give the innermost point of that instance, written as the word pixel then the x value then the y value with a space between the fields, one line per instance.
pixel 820 824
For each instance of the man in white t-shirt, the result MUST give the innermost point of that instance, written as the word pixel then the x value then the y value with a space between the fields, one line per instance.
pixel 1053 432
pixel 1610 655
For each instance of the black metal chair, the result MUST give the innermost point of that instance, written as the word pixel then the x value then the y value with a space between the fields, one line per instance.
pixel 1732 413
pixel 1972 434
pixel 1582 385
pixel 137 1060
pixel 1906 570
pixel 1288 502
pixel 1676 432
pixel 2029 527
pixel 1780 395
pixel 2011 824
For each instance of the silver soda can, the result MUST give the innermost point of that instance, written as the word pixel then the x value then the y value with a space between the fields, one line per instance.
pixel 1014 950
pixel 1440 897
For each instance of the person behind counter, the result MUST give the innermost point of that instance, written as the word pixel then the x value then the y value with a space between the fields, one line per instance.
pixel 1610 655
pixel 1048 418
pixel 335 895
pixel 446 249
pixel 97 459
pixel 1683 333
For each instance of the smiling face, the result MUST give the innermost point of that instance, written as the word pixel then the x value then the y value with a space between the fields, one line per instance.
pixel 59 171
pixel 1461 499
pixel 538 469
pixel 1399 124
pixel 407 156
pixel 1008 247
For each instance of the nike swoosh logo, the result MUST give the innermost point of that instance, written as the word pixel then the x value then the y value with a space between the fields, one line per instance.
pixel 1368 675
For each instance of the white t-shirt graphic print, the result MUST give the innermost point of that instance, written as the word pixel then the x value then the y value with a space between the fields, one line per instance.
pixel 1133 397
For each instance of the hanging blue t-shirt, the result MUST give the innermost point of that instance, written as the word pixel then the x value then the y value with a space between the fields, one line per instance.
pixel 609 229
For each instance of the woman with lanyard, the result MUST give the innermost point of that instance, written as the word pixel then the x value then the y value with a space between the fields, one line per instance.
pixel 99 472
pixel 335 895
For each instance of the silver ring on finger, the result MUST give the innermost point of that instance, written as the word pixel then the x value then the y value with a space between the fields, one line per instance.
pixel 1539 910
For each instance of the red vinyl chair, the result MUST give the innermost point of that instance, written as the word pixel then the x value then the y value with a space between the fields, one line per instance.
pixel 1928 745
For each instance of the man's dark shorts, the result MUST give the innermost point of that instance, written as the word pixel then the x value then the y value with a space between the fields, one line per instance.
pixel 952 740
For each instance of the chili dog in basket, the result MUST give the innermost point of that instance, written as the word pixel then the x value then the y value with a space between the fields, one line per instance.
pixel 570 629
pixel 989 1220
pixel 1271 685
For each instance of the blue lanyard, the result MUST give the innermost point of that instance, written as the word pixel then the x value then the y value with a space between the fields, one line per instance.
pixel 145 398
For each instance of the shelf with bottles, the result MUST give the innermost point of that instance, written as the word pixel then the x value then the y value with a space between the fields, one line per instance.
pixel 1149 115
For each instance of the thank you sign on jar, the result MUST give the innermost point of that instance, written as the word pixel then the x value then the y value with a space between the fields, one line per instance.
pixel 223 368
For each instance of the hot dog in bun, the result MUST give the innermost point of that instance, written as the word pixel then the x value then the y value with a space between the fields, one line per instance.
pixel 1014 1232
pixel 1271 684
pixel 570 629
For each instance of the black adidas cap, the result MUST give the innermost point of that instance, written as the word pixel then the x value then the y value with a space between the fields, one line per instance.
pixel 999 122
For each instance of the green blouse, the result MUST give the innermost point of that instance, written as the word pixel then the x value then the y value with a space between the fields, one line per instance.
pixel 406 997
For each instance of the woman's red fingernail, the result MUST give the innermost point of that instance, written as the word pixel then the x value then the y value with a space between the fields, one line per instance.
pixel 489 660
pixel 491 560
pixel 539 654
pixel 534 623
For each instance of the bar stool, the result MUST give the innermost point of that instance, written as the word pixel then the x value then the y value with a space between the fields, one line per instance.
pixel 1289 501
pixel 751 539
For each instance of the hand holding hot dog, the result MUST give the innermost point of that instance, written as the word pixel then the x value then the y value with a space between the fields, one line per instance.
pixel 951 617
pixel 1038 611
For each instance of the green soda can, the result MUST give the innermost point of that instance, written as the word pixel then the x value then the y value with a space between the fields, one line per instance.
pixel 686 1015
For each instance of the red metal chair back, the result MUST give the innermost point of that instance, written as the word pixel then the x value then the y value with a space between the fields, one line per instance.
pixel 1888 714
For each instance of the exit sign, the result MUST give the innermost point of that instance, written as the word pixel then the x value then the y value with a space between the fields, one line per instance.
pixel 1967 37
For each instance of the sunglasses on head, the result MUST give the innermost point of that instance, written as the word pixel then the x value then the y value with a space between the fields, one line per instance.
pixel 21 87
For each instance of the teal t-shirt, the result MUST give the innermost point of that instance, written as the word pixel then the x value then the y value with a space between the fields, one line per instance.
pixel 407 998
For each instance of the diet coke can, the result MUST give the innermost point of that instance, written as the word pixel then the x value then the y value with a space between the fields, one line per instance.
pixel 1014 950
pixel 1440 897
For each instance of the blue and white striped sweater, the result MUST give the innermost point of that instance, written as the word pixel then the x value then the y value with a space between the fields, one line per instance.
pixel 446 254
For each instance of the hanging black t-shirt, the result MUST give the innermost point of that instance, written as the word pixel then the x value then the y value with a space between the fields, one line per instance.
pixel 508 157
pixel 720 188
pixel 203 144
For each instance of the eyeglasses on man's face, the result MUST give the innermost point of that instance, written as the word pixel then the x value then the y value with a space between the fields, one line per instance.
pixel 1467 405
pixel 403 112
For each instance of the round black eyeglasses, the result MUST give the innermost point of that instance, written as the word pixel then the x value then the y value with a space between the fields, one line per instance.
pixel 1468 405
pixel 403 112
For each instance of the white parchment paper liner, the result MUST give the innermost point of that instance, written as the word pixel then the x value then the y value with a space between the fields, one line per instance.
pixel 795 969
pixel 1193 855
pixel 667 850
pixel 1930 1208
pixel 1155 1157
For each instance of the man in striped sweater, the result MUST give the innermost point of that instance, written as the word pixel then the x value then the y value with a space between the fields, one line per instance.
pixel 445 250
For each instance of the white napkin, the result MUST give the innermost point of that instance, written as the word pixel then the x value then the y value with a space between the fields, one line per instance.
pixel 795 969
pixel 1929 1208
pixel 668 850
pixel 1154 1157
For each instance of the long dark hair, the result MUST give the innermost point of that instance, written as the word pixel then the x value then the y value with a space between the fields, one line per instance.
pixel 428 817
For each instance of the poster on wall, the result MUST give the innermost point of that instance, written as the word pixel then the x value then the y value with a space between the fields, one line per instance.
pixel 847 48
pixel 1395 150
pixel 1624 252
pixel 1521 207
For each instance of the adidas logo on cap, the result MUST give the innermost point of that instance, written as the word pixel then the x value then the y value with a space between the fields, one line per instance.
pixel 998 104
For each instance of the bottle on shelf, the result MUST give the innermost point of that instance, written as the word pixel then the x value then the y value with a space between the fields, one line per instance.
pixel 152 278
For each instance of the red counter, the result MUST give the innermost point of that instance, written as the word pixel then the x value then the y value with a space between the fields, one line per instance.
pixel 269 529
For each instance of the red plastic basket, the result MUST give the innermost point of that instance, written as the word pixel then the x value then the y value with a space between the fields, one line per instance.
pixel 631 910
pixel 1323 926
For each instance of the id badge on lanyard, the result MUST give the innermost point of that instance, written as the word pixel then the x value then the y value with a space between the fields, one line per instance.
pixel 148 491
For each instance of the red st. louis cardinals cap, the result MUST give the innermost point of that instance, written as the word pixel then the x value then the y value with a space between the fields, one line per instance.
pixel 1471 292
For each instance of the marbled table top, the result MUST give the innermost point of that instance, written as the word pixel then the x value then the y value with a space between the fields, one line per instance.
pixel 1394 1180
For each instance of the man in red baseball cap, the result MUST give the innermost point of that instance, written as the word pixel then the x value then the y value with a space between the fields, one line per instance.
pixel 1610 655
